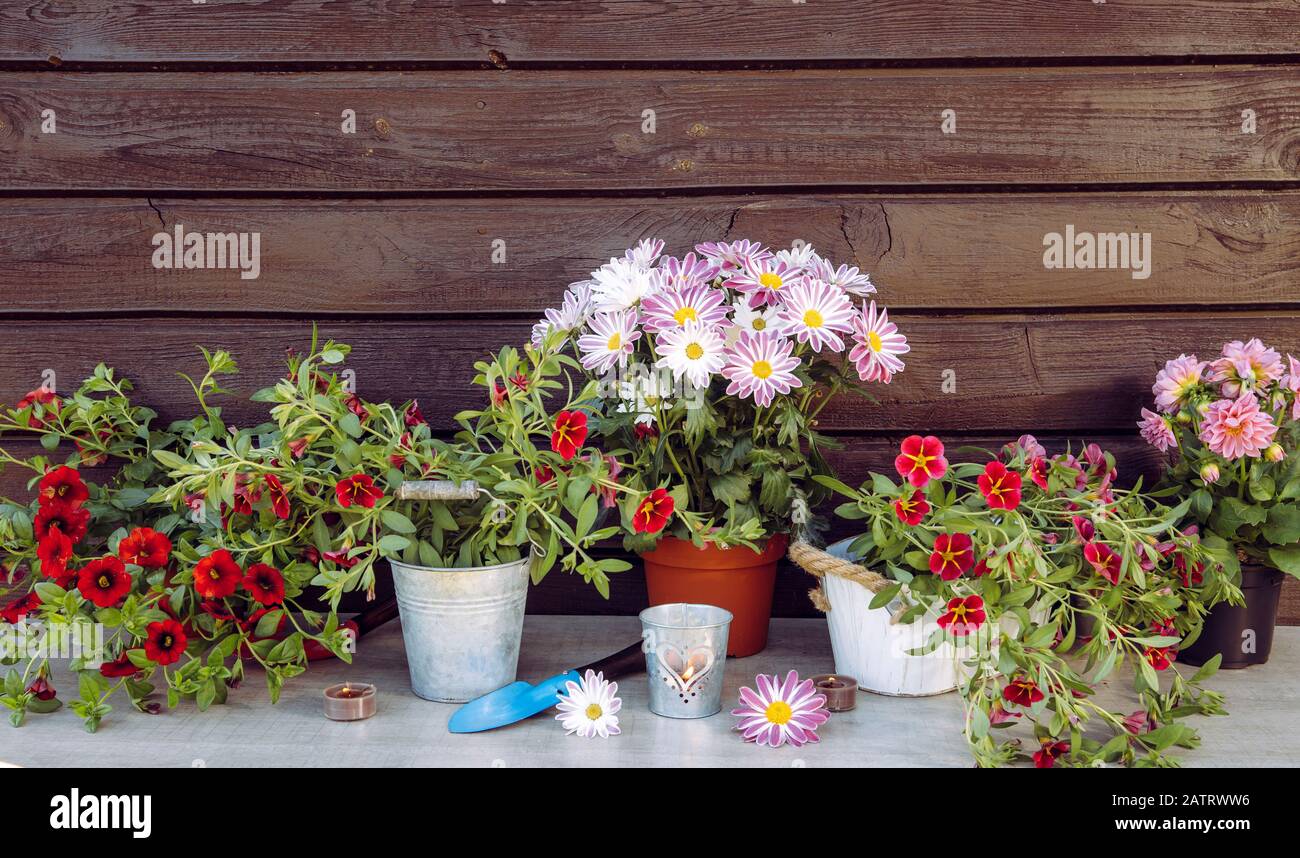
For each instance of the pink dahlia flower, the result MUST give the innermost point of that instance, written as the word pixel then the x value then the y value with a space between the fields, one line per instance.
pixel 1155 431
pixel 1236 427
pixel 780 712
pixel 1247 366
pixel 1292 383
pixel 1179 377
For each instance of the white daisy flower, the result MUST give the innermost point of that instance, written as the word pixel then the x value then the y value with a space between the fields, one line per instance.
pixel 694 350
pixel 813 311
pixel 765 281
pixel 847 277
pixel 802 257
pixel 675 307
pixel 569 316
pixel 643 392
pixel 590 708
pixel 611 339
pixel 878 345
pixel 621 284
pixel 753 319
pixel 646 253
pixel 761 365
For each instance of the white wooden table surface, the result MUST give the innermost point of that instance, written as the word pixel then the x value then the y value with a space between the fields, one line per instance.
pixel 1264 703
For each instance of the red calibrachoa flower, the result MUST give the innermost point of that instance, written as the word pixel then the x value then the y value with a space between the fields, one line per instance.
pixel 42 688
pixel 1051 750
pixel 1104 559
pixel 569 434
pixel 1000 487
pixel 145 547
pixel 20 607
pixel 911 510
pixel 46 398
pixel 1160 658
pixel 543 474
pixel 165 642
pixel 63 486
pixel 1084 528
pixel 71 521
pixel 119 667
pixel 653 512
pixel 1022 691
pixel 519 382
pixel 357 406
pixel 105 581
pixel 645 431
pixel 299 447
pixel 357 489
pixel 265 583
pixel 54 552
pixel 953 554
pixel 963 616
pixel 921 460
pixel 341 558
pixel 1038 472
pixel 279 497
pixel 217 575
pixel 412 417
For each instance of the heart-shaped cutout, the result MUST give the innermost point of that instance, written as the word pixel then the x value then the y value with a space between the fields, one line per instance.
pixel 685 669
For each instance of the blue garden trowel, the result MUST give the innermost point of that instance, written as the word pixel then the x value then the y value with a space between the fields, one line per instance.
pixel 521 700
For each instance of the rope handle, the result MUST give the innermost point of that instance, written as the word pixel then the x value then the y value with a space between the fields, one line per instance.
pixel 819 564
pixel 437 490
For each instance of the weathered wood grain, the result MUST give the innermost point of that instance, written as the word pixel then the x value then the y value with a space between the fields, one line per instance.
pixel 403 257
pixel 620 31
pixel 562 130
pixel 1079 373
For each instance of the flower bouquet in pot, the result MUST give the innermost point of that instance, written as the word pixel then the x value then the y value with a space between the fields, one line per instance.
pixel 462 523
pixel 1035 579
pixel 1231 429
pixel 714 367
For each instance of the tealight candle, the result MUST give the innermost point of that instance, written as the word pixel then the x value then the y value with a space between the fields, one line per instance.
pixel 349 702
pixel 841 691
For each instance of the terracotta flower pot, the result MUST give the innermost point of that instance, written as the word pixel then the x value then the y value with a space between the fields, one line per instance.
pixel 737 579
pixel 1244 634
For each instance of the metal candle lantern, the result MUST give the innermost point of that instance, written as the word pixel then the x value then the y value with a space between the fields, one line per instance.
pixel 685 651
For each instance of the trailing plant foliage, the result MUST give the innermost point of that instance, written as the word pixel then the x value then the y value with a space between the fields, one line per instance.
pixel 1043 579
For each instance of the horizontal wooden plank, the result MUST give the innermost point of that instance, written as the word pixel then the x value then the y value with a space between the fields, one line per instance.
pixel 547 130
pixel 1082 373
pixel 398 257
pixel 620 31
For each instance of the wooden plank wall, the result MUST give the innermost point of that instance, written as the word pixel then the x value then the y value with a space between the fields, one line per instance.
pixel 523 122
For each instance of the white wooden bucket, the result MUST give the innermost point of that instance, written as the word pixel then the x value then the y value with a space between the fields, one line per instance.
pixel 874 651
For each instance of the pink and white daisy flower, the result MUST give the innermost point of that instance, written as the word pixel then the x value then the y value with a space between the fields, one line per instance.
pixel 765 281
pixel 730 257
pixel 675 307
pixel 1248 366
pixel 1156 431
pixel 877 345
pixel 801 257
pixel 846 277
pixel 779 712
pixel 1234 428
pixel 646 253
pixel 694 350
pixel 569 316
pixel 1176 381
pixel 761 365
pixel 685 273
pixel 620 285
pixel 590 708
pixel 814 311
pixel 611 339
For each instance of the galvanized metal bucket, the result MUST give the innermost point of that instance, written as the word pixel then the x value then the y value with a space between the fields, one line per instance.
pixel 461 627
pixel 685 652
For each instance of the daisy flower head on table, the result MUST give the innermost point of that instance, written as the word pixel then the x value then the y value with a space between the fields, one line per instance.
pixel 761 365
pixel 775 713
pixel 590 708
pixel 673 308
pixel 877 345
pixel 694 351
pixel 620 285
pixel 765 280
pixel 816 313
pixel 610 339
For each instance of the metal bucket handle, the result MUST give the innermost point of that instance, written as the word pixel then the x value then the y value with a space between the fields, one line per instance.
pixel 438 490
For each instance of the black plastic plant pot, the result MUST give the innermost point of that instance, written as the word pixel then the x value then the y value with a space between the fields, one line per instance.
pixel 1244 634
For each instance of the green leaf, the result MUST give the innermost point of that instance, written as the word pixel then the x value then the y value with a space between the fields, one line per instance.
pixel 350 424
pixel 393 544
pixel 1287 559
pixel 1209 668
pixel 50 441
pixel 1283 525
pixel 586 516
pixel 885 596
pixel 396 522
